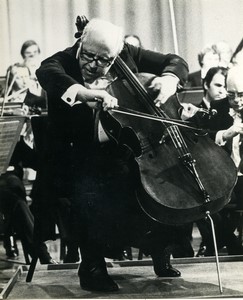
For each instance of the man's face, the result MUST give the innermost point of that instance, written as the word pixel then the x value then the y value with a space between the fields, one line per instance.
pixel 95 60
pixel 31 52
pixel 216 89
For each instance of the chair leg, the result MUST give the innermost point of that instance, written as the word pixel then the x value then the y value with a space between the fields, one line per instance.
pixel 26 255
pixel 31 269
pixel 62 249
pixel 140 255
pixel 240 226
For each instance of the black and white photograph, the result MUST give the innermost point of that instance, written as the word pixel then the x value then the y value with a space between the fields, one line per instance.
pixel 121 138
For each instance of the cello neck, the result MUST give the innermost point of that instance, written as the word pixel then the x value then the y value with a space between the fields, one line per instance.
pixel 144 96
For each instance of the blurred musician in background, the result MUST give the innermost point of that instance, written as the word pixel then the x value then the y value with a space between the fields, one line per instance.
pixel 21 83
pixel 231 137
pixel 30 52
pixel 214 90
pixel 18 218
pixel 22 97
pixel 225 53
pixel 223 94
pixel 133 39
pixel 228 128
pixel 207 58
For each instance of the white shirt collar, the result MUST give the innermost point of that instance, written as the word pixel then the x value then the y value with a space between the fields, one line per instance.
pixel 206 102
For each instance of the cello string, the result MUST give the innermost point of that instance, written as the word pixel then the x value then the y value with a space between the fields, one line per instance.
pixel 149 101
pixel 174 136
pixel 181 141
pixel 138 87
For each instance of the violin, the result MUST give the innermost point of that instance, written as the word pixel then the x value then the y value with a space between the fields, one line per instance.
pixel 183 175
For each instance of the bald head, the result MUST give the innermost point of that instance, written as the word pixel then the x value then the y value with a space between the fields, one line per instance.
pixel 235 87
pixel 235 79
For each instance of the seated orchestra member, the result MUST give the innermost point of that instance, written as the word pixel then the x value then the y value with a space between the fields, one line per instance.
pixel 30 52
pixel 13 205
pixel 101 177
pixel 222 131
pixel 214 90
pixel 207 58
pixel 225 53
pixel 21 89
pixel 18 218
pixel 231 139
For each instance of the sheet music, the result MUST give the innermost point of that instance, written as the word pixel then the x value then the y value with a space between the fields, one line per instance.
pixel 10 130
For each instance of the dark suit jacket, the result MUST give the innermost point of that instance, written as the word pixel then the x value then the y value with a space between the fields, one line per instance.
pixel 70 129
pixel 221 120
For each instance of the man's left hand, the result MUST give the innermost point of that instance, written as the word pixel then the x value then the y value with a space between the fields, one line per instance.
pixel 165 86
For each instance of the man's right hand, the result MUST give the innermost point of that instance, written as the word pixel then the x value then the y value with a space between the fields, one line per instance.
pixel 100 98
pixel 108 101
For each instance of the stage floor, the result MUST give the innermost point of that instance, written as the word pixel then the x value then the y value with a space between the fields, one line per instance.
pixel 136 279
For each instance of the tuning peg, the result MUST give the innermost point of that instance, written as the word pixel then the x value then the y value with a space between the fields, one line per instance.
pixel 80 24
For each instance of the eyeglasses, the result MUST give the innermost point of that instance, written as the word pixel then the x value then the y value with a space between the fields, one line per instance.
pixel 234 95
pixel 100 61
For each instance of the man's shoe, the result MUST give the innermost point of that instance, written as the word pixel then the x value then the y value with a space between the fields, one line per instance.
pixel 167 271
pixel 162 265
pixel 11 254
pixel 52 262
pixel 202 250
pixel 127 253
pixel 49 261
pixel 96 280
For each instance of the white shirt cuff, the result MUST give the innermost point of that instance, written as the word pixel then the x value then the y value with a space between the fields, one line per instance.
pixel 70 95
pixel 170 74
pixel 219 138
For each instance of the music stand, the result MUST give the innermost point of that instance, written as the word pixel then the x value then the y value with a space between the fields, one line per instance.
pixel 191 95
pixel 10 129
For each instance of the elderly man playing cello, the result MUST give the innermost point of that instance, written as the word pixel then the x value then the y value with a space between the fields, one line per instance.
pixel 88 167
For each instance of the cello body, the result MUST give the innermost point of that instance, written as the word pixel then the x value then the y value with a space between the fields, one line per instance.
pixel 167 190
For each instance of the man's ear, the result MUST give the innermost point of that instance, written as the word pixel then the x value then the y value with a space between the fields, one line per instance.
pixel 205 86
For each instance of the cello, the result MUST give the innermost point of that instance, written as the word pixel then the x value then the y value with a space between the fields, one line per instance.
pixel 183 174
